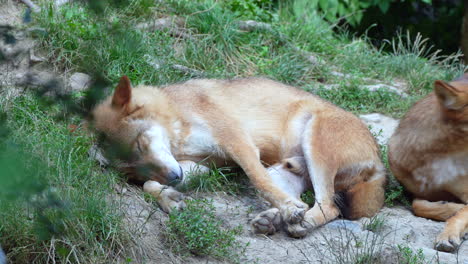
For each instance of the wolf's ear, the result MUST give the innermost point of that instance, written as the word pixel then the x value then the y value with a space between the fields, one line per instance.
pixel 123 93
pixel 448 95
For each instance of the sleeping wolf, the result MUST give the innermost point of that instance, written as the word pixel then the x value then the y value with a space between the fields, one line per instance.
pixel 177 129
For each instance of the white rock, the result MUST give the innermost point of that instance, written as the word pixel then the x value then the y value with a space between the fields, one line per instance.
pixel 382 126
pixel 79 81
pixel 381 86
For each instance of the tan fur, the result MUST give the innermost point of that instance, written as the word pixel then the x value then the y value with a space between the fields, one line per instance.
pixel 428 154
pixel 252 123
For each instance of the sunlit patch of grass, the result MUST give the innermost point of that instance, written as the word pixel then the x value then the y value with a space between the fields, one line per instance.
pixel 197 230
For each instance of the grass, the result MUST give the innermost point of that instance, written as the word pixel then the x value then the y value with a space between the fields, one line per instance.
pixel 375 224
pixel 217 180
pixel 408 256
pixel 350 247
pixel 197 230
pixel 70 203
pixel 63 213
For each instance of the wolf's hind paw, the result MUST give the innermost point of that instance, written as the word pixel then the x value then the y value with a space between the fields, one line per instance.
pixel 300 229
pixel 267 222
pixel 293 213
pixel 447 243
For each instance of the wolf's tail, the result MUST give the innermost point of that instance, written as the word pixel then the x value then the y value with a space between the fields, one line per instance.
pixel 365 199
pixel 440 211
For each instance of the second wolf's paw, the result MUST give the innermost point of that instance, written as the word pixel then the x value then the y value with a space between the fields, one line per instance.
pixel 293 211
pixel 267 222
pixel 300 229
pixel 447 243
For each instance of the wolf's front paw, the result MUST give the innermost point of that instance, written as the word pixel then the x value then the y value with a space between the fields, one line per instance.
pixel 168 198
pixel 267 222
pixel 293 211
pixel 447 242
pixel 171 200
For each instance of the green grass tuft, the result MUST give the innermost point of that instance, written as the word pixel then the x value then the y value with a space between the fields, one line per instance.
pixel 197 230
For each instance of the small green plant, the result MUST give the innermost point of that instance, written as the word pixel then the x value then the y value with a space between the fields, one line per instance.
pixel 408 256
pixel 394 191
pixel 218 179
pixel 197 230
pixel 350 248
pixel 251 9
pixel 308 197
pixel 375 224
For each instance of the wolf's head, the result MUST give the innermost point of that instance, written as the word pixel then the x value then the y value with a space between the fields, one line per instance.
pixel 453 99
pixel 140 123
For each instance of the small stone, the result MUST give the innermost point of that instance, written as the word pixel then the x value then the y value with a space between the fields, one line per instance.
pixel 79 82
pixel 35 59
pixel 380 86
pixel 96 153
pixel 345 224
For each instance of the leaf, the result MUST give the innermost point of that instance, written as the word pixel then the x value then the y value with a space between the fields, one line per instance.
pixel 384 6
pixel 324 5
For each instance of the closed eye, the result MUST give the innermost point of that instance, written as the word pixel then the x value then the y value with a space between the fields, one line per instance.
pixel 139 146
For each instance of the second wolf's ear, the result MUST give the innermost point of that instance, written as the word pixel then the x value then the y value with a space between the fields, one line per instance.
pixel 123 93
pixel 448 95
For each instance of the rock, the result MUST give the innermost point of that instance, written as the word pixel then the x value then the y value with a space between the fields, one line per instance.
pixel 95 152
pixel 173 25
pixel 34 58
pixel 381 86
pixel 382 126
pixel 79 82
pixel 188 71
pixel 251 25
pixel 345 224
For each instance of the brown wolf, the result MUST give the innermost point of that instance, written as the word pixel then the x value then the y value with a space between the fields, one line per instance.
pixel 179 129
pixel 428 154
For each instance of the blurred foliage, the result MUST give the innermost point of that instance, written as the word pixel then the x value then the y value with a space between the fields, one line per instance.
pixel 352 10
pixel 259 10
pixel 41 166
pixel 440 21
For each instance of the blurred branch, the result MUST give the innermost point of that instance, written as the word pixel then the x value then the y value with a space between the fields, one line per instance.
pixel 2 257
pixel 31 5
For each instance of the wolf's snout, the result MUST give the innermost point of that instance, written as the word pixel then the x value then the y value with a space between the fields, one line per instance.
pixel 175 176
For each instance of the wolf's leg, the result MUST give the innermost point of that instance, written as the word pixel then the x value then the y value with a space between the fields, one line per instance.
pixel 318 146
pixel 455 228
pixel 269 221
pixel 168 198
pixel 441 211
pixel 242 151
